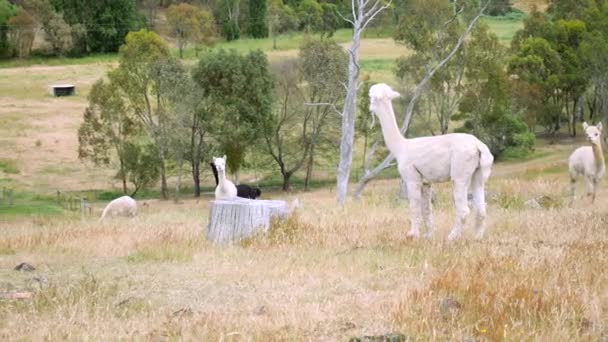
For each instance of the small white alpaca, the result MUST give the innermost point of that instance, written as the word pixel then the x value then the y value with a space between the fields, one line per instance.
pixel 457 157
pixel 225 189
pixel 122 206
pixel 588 161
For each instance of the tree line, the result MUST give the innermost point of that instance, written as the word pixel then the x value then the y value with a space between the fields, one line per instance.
pixel 81 27
pixel 153 110
pixel 153 117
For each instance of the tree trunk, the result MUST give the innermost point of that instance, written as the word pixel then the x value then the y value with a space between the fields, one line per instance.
pixel 231 221
pixel 178 183
pixel 309 169
pixel 196 178
pixel 164 192
pixel 286 180
pixel 349 113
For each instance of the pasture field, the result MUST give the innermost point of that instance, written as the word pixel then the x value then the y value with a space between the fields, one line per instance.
pixel 329 273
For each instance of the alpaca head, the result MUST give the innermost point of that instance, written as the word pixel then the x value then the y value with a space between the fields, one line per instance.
pixel 593 133
pixel 220 163
pixel 381 95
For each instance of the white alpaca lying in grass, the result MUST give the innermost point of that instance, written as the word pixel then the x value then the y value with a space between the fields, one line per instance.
pixel 588 161
pixel 122 206
pixel 460 158
pixel 225 189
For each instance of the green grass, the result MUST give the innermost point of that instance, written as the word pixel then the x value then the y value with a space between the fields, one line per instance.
pixel 9 166
pixel 378 65
pixel 57 61
pixel 27 204
pixel 504 27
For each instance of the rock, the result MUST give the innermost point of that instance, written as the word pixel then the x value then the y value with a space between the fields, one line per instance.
pixel 17 295
pixel 449 307
pixel 542 202
pixel 24 267
pixel 532 204
pixel 391 337
pixel 261 310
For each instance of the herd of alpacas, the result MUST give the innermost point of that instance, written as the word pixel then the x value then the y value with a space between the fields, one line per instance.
pixel 457 157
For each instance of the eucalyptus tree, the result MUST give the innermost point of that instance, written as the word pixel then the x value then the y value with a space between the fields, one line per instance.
pixel 238 90
pixel 362 14
pixel 147 76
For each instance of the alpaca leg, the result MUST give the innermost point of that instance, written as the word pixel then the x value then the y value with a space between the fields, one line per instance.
pixel 589 186
pixel 427 209
pixel 479 202
pixel 414 195
pixel 572 190
pixel 593 190
pixel 462 209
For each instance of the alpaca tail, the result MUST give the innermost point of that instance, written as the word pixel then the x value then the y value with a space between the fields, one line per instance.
pixel 486 159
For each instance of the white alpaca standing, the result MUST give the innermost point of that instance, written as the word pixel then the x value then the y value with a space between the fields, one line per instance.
pixel 458 157
pixel 588 161
pixel 225 189
pixel 122 206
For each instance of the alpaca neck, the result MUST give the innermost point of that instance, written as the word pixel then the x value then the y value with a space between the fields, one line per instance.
pixel 392 137
pixel 222 177
pixel 598 156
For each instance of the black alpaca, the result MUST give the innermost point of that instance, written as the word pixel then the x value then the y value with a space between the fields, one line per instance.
pixel 242 190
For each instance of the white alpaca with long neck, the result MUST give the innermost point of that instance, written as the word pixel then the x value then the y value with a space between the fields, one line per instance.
pixel 457 157
pixel 225 190
pixel 588 161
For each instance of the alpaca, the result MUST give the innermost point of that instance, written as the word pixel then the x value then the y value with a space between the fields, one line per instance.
pixel 457 157
pixel 242 190
pixel 122 206
pixel 225 189
pixel 588 161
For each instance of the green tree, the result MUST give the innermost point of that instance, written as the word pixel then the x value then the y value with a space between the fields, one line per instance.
pixel 106 128
pixel 57 32
pixel 310 13
pixel 148 76
pixel 7 10
pixel 257 19
pixel 487 108
pixel 296 132
pixel 21 33
pixel 539 65
pixel 190 24
pixel 101 26
pixel 280 18
pixel 239 89
pixel 430 30
pixel 330 22
pixel 141 165
pixel 228 14
pixel 324 85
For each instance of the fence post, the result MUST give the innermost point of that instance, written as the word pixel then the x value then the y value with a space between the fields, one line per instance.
pixel 10 197
pixel 83 207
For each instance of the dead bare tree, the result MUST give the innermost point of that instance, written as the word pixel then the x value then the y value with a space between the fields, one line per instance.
pixel 368 174
pixel 363 12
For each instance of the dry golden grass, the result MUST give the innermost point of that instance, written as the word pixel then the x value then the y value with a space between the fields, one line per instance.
pixel 329 273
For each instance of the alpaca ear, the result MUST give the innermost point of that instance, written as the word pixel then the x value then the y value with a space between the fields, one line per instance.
pixel 393 94
pixel 225 157
pixel 585 125
pixel 599 126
